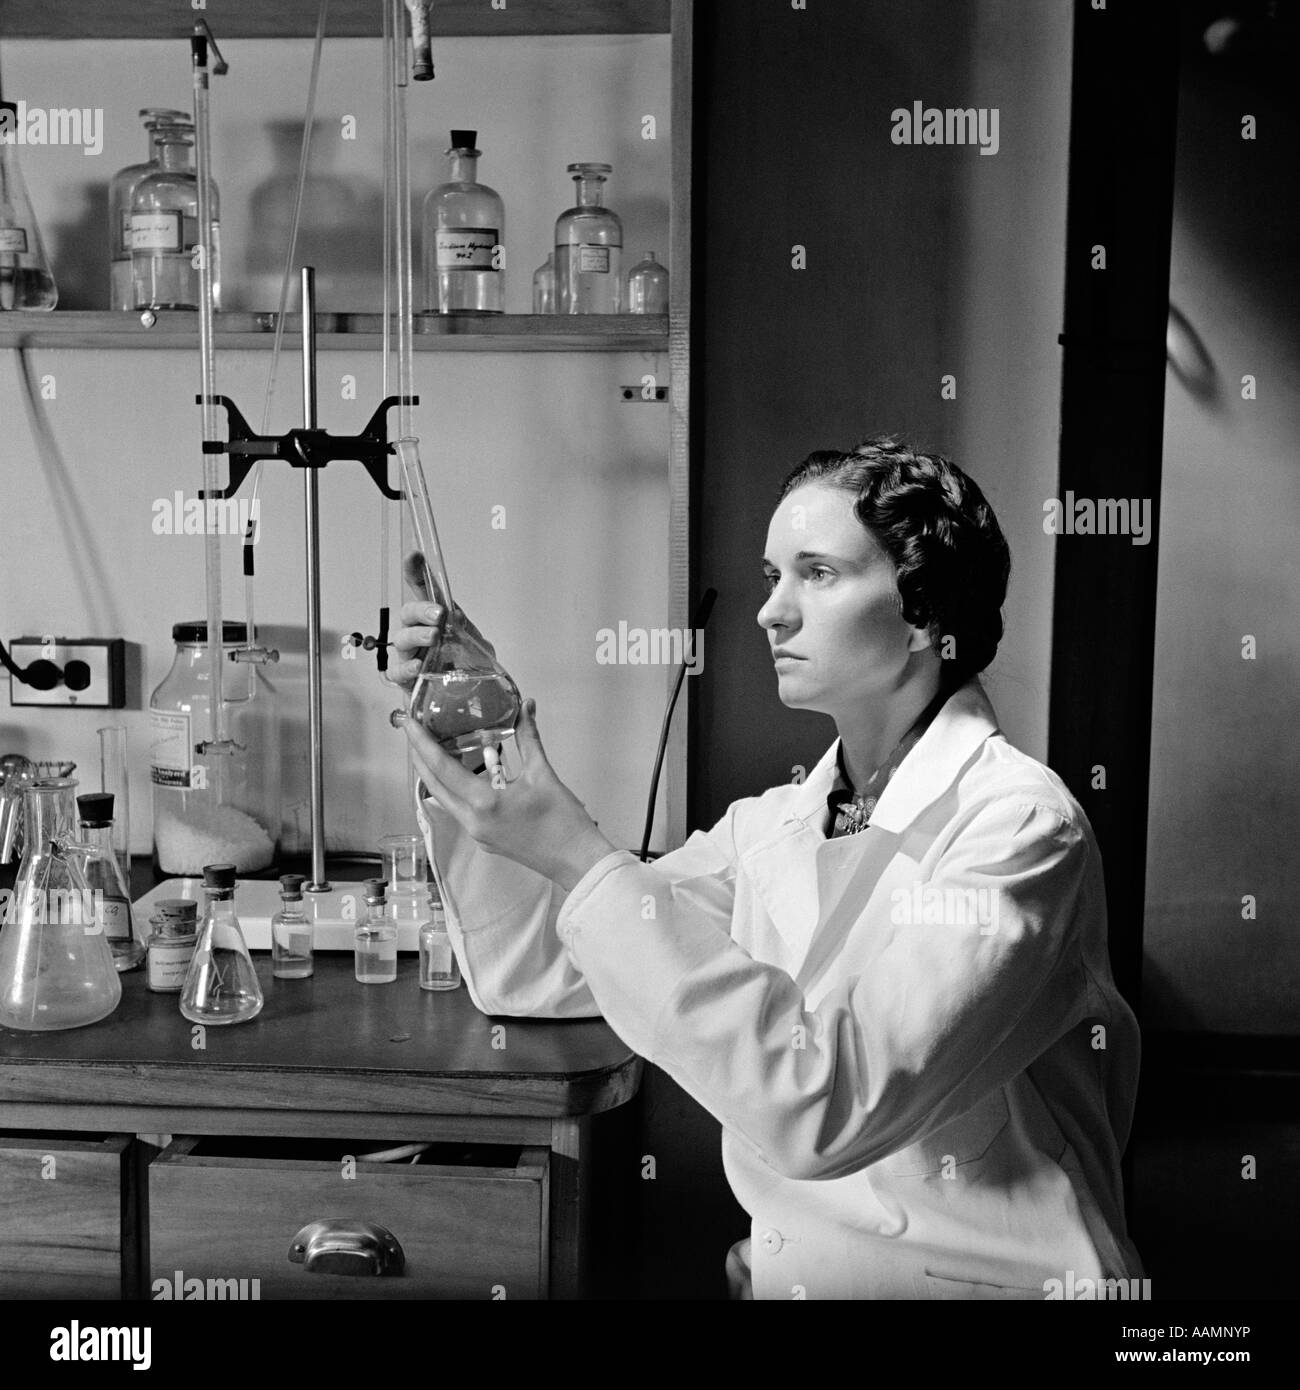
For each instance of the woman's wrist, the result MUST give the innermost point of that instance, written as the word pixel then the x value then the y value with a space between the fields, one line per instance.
pixel 580 856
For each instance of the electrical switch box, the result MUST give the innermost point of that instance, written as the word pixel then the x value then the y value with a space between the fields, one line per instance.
pixel 68 672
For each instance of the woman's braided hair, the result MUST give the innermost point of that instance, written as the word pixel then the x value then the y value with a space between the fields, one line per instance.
pixel 935 525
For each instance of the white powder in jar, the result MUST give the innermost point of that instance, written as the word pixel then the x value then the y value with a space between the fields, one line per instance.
pixel 217 835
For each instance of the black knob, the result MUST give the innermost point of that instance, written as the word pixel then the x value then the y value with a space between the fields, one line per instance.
pixel 42 675
pixel 76 675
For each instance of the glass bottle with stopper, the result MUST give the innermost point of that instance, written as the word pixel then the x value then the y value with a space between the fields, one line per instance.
pixel 165 229
pixel 103 876
pixel 588 248
pixel 292 946
pixel 463 696
pixel 56 968
pixel 464 233
pixel 375 938
pixel 647 287
pixel 158 120
pixel 221 985
pixel 25 279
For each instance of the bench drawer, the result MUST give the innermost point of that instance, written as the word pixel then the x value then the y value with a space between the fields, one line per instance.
pixel 67 1216
pixel 225 1215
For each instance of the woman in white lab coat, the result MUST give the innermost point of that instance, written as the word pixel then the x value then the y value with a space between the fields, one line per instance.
pixel 889 982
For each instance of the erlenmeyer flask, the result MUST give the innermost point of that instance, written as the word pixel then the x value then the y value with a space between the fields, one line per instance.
pixel 25 279
pixel 221 985
pixel 56 969
pixel 463 696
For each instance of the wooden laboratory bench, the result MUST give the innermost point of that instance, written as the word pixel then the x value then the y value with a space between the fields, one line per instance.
pixel 210 1154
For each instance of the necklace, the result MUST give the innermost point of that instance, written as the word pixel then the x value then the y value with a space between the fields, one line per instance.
pixel 853 814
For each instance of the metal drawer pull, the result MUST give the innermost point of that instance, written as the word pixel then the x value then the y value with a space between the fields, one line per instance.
pixel 347 1247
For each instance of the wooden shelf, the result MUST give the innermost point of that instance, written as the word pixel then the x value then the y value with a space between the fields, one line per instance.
pixel 340 332
pixel 272 19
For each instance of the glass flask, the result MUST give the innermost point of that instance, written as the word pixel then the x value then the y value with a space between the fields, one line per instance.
pixel 221 985
pixel 588 248
pixel 376 939
pixel 544 286
pixel 172 941
pixel 56 969
pixel 464 229
pixel 165 230
pixel 25 279
pixel 647 287
pixel 439 968
pixel 121 190
pixel 214 806
pixel 463 696
pixel 103 875
pixel 292 954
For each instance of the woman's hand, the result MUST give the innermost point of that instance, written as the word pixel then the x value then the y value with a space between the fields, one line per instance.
pixel 535 820
pixel 421 619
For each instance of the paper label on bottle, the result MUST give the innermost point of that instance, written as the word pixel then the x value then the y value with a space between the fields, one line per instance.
pixel 169 963
pixel 116 916
pixel 157 231
pixel 13 240
pixel 466 248
pixel 169 751
pixel 593 260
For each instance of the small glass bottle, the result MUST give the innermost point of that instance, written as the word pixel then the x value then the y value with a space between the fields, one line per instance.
pixel 464 235
pixel 588 248
pixel 25 279
pixel 221 985
pixel 376 939
pixel 439 968
pixel 171 944
pixel 103 875
pixel 291 933
pixel 121 190
pixel 165 230
pixel 544 286
pixel 647 287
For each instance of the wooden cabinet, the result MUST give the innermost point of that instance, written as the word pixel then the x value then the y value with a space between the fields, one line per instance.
pixel 68 1216
pixel 211 1162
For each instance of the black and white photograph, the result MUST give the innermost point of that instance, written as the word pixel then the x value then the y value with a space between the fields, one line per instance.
pixel 649 655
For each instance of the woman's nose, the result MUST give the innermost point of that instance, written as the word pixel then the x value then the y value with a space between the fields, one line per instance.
pixel 775 611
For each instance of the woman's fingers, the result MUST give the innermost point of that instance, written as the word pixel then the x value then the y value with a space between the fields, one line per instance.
pixel 413 573
pixel 454 789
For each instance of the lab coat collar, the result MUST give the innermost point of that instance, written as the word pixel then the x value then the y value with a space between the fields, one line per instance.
pixel 962 724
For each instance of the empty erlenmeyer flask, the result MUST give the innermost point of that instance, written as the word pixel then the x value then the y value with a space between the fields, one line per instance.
pixel 463 696
pixel 221 985
pixel 25 279
pixel 56 969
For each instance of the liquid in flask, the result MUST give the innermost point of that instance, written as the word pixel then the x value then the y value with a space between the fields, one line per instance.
pixel 221 985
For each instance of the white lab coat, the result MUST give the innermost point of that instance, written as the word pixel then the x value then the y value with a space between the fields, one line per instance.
pixel 918 1100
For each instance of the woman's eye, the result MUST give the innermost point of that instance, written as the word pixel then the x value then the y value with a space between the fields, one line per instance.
pixel 820 572
pixel 769 582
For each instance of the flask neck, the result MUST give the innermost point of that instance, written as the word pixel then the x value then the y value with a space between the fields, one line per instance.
pixel 48 814
pixel 174 158
pixel 221 906
pixel 591 190
pixel 464 168
pixel 156 137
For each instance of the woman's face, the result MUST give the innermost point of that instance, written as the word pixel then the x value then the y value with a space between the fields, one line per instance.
pixel 832 605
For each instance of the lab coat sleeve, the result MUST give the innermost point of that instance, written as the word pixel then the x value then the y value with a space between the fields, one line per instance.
pixel 501 916
pixel 933 1018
